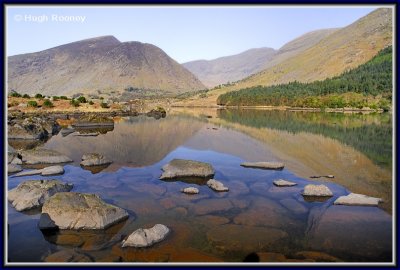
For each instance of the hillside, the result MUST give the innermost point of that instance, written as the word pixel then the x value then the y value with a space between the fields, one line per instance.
pixel 370 79
pixel 342 50
pixel 236 67
pixel 99 65
pixel 230 68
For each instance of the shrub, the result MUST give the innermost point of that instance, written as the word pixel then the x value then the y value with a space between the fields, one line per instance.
pixel 203 95
pixel 47 103
pixel 15 94
pixel 55 98
pixel 32 103
pixel 12 104
pixel 74 102
pixel 82 99
pixel 38 96
pixel 64 97
pixel 104 105
pixel 91 102
pixel 26 96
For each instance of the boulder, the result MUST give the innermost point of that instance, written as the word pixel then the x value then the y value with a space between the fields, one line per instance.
pixel 284 183
pixel 13 168
pixel 186 168
pixel 51 170
pixel 157 113
pixel 74 211
pixel 43 156
pixel 94 159
pixel 146 237
pixel 317 191
pixel 33 128
pixel 12 158
pixel 216 185
pixel 264 165
pixel 357 199
pixel 33 193
pixel 66 131
pixel 190 190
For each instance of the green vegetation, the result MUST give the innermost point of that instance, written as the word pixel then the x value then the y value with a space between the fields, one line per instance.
pixel 104 105
pixel 38 96
pixel 82 99
pixel 74 102
pixel 15 94
pixel 201 93
pixel 32 103
pixel 55 98
pixel 369 85
pixel 91 102
pixel 370 134
pixel 63 97
pixel 26 96
pixel 47 103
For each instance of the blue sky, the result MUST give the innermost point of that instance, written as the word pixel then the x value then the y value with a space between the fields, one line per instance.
pixel 184 33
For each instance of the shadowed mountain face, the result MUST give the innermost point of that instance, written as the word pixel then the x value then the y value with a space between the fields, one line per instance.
pixel 103 64
pixel 236 67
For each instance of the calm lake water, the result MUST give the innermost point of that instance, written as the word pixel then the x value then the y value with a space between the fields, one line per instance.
pixel 254 216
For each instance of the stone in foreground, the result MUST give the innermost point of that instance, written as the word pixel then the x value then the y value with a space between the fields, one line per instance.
pixel 216 185
pixel 283 183
pixel 72 210
pixel 317 191
pixel 186 168
pixel 190 190
pixel 264 165
pixel 357 199
pixel 33 193
pixel 43 156
pixel 146 237
pixel 94 159
pixel 13 168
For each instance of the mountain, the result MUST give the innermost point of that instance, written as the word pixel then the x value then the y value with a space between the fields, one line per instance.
pixel 367 80
pixel 99 65
pixel 230 68
pixel 236 67
pixel 339 51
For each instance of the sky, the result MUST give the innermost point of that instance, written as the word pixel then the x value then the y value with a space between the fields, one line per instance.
pixel 184 33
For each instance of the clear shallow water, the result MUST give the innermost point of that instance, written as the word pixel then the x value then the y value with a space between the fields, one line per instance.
pixel 254 216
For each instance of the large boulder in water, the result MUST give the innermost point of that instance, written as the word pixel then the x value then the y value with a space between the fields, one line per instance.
pixel 72 210
pixel 146 237
pixel 317 191
pixel 357 199
pixel 51 170
pixel 33 193
pixel 43 156
pixel 186 168
pixel 33 128
pixel 94 159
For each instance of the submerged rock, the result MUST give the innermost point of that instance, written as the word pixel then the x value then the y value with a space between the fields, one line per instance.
pixel 357 199
pixel 264 165
pixel 67 256
pixel 216 185
pixel 43 156
pixel 317 191
pixel 13 168
pixel 186 168
pixel 190 190
pixel 51 170
pixel 79 211
pixel 284 183
pixel 33 193
pixel 94 159
pixel 146 237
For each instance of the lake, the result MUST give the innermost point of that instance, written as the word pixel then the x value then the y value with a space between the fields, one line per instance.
pixel 255 220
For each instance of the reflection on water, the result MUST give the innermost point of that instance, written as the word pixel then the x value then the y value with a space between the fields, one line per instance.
pixel 253 217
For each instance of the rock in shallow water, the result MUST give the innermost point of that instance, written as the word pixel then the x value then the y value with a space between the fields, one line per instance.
pixel 186 168
pixel 79 211
pixel 43 156
pixel 216 185
pixel 146 237
pixel 67 256
pixel 317 191
pixel 94 159
pixel 264 165
pixel 51 170
pixel 190 190
pixel 357 199
pixel 284 183
pixel 33 193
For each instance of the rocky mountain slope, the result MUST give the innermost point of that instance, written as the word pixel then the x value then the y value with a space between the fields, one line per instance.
pixel 99 65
